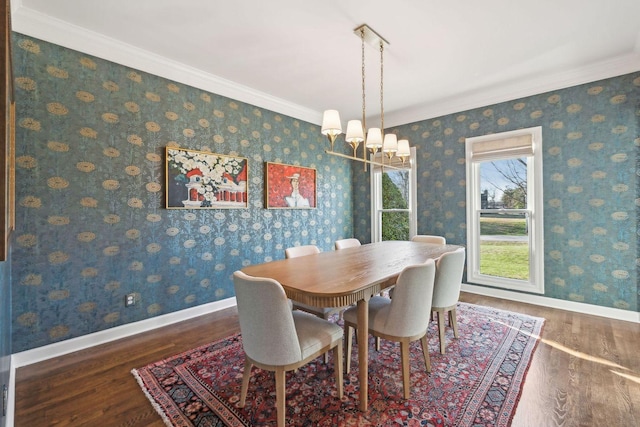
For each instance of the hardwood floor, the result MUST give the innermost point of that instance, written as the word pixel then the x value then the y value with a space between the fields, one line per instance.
pixel 585 372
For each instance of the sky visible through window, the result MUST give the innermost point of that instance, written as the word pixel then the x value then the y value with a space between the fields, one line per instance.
pixel 498 175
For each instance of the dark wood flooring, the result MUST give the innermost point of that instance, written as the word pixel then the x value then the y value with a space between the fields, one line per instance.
pixel 585 372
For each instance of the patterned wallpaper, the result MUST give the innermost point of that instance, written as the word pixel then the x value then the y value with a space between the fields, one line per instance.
pixel 591 140
pixel 91 222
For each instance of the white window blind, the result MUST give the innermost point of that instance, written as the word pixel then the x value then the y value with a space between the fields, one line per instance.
pixel 500 148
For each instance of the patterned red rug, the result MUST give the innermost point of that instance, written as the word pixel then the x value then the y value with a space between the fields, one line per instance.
pixel 476 383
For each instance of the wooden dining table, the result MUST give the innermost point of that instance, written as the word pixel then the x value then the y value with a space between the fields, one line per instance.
pixel 348 276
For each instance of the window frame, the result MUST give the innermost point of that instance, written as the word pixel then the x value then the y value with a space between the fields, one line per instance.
pixel 376 200
pixel 534 212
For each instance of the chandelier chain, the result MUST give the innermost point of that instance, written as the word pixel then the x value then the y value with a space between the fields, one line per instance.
pixel 382 88
pixel 364 123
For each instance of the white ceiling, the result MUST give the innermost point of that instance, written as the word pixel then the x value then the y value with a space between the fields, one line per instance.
pixel 301 57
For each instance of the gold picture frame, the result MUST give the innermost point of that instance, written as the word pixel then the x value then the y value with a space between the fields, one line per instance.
pixel 7 129
pixel 203 180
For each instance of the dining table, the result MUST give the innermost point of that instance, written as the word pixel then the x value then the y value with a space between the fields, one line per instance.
pixel 348 276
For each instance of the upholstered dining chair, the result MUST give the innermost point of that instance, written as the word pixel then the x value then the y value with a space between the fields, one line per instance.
pixel 346 243
pixel 446 291
pixel 323 312
pixel 427 238
pixel 403 319
pixel 296 251
pixel 350 243
pixel 276 339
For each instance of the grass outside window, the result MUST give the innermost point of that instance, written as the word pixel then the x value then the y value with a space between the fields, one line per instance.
pixel 504 258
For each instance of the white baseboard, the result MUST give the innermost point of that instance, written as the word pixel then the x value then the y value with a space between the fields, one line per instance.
pixel 595 310
pixel 11 401
pixel 39 354
pixel 50 351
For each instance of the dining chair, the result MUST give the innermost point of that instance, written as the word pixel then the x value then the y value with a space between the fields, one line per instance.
pixel 279 340
pixel 322 312
pixel 350 243
pixel 298 251
pixel 346 243
pixel 446 291
pixel 427 238
pixel 403 319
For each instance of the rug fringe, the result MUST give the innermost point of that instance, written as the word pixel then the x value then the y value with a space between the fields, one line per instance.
pixel 157 407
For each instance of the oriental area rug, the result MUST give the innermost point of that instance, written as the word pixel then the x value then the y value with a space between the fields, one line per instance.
pixel 477 382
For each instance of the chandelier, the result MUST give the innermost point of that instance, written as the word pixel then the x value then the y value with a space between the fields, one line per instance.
pixel 376 139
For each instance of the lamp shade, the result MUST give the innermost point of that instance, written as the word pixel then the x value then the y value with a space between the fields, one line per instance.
pixel 355 133
pixel 390 145
pixel 331 123
pixel 403 148
pixel 374 138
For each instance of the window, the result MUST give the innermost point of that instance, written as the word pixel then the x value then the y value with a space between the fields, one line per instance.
pixel 504 210
pixel 393 200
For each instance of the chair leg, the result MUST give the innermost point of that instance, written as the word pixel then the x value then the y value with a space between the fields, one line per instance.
pixel 280 375
pixel 425 351
pixel 377 343
pixel 245 381
pixel 454 322
pixel 337 366
pixel 441 330
pixel 348 336
pixel 406 368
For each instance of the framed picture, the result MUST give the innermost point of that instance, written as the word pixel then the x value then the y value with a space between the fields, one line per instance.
pixel 197 179
pixel 7 130
pixel 289 186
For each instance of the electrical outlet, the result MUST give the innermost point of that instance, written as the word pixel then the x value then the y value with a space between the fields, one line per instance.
pixel 130 300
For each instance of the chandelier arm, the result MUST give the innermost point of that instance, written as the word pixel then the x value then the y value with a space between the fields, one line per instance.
pixel 370 162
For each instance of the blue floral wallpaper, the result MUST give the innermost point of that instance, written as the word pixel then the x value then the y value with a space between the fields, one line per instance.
pixel 92 227
pixel 591 140
pixel 91 222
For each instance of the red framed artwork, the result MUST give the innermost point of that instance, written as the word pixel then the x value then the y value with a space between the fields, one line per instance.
pixel 289 186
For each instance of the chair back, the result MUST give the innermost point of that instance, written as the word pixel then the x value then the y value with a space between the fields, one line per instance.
pixel 410 309
pixel 426 238
pixel 449 271
pixel 346 243
pixel 297 251
pixel 266 322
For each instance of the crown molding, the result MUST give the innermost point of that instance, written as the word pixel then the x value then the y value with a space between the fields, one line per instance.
pixel 35 24
pixel 517 89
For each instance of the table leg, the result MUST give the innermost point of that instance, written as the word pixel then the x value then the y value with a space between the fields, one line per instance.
pixel 363 352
